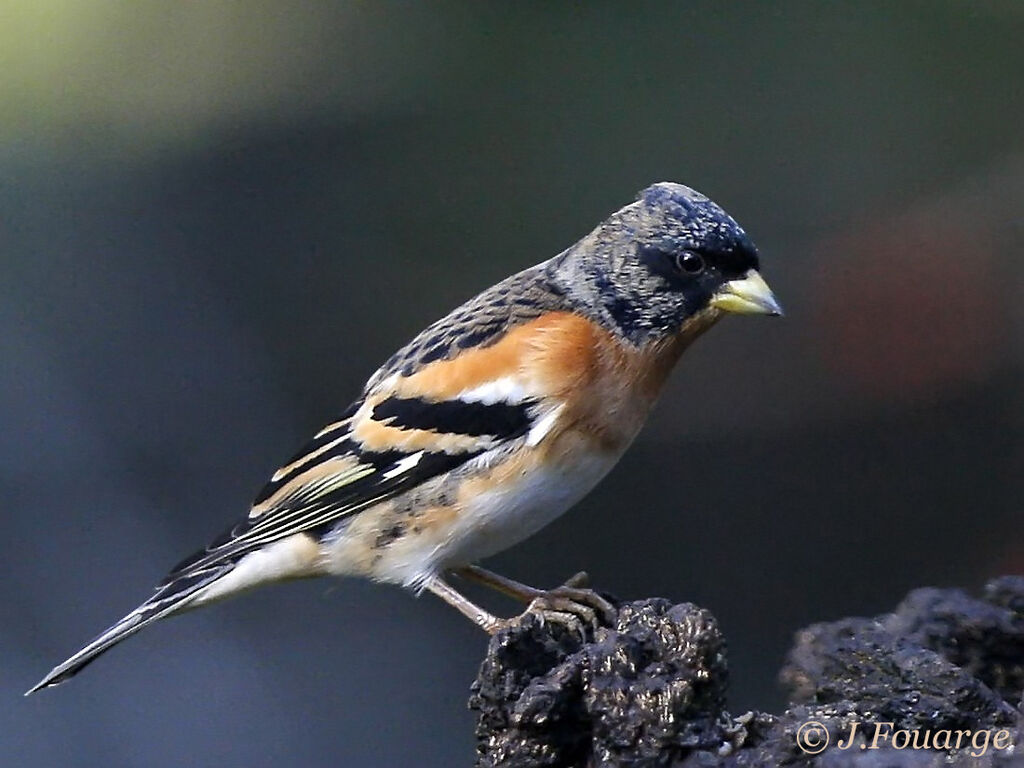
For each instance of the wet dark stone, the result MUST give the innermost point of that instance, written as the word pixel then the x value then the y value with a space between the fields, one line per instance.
pixel 984 637
pixel 650 691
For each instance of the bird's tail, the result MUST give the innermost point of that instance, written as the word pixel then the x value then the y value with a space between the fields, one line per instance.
pixel 171 597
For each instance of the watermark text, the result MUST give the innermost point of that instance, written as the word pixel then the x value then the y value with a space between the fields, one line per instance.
pixel 814 738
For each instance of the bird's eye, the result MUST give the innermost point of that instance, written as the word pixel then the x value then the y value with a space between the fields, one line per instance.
pixel 689 262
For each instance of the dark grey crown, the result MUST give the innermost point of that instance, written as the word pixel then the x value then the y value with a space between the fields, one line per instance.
pixel 632 270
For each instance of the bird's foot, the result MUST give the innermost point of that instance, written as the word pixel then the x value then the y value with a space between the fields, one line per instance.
pixel 598 610
pixel 578 609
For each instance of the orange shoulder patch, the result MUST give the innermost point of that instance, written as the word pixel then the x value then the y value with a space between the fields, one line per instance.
pixel 539 356
pixel 606 385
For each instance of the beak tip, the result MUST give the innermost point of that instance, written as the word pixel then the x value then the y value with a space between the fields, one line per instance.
pixel 749 295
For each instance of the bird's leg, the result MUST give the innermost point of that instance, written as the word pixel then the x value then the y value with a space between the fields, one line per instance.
pixel 571 597
pixel 488 622
pixel 492 624
pixel 508 587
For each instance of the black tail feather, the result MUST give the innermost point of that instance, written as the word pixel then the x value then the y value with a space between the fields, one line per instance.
pixel 170 598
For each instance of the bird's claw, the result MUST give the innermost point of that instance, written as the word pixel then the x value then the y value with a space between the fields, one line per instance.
pixel 597 609
pixel 572 605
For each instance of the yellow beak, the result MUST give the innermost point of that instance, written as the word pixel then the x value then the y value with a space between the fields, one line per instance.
pixel 749 295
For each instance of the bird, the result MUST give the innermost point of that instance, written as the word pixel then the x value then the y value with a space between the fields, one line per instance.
pixel 489 424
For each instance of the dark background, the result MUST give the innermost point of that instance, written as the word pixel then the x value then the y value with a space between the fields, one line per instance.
pixel 216 219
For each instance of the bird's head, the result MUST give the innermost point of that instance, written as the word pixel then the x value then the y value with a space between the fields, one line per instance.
pixel 672 259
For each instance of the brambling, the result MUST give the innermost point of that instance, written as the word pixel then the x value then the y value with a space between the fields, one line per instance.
pixel 489 424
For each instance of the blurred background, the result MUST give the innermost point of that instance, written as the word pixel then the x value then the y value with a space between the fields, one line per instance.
pixel 216 219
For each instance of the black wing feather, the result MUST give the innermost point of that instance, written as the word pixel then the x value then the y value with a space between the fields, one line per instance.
pixel 316 508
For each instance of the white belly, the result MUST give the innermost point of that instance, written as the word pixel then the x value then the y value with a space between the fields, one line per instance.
pixel 482 525
pixel 500 518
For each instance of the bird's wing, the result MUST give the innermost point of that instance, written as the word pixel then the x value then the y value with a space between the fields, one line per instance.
pixel 450 395
pixel 389 442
